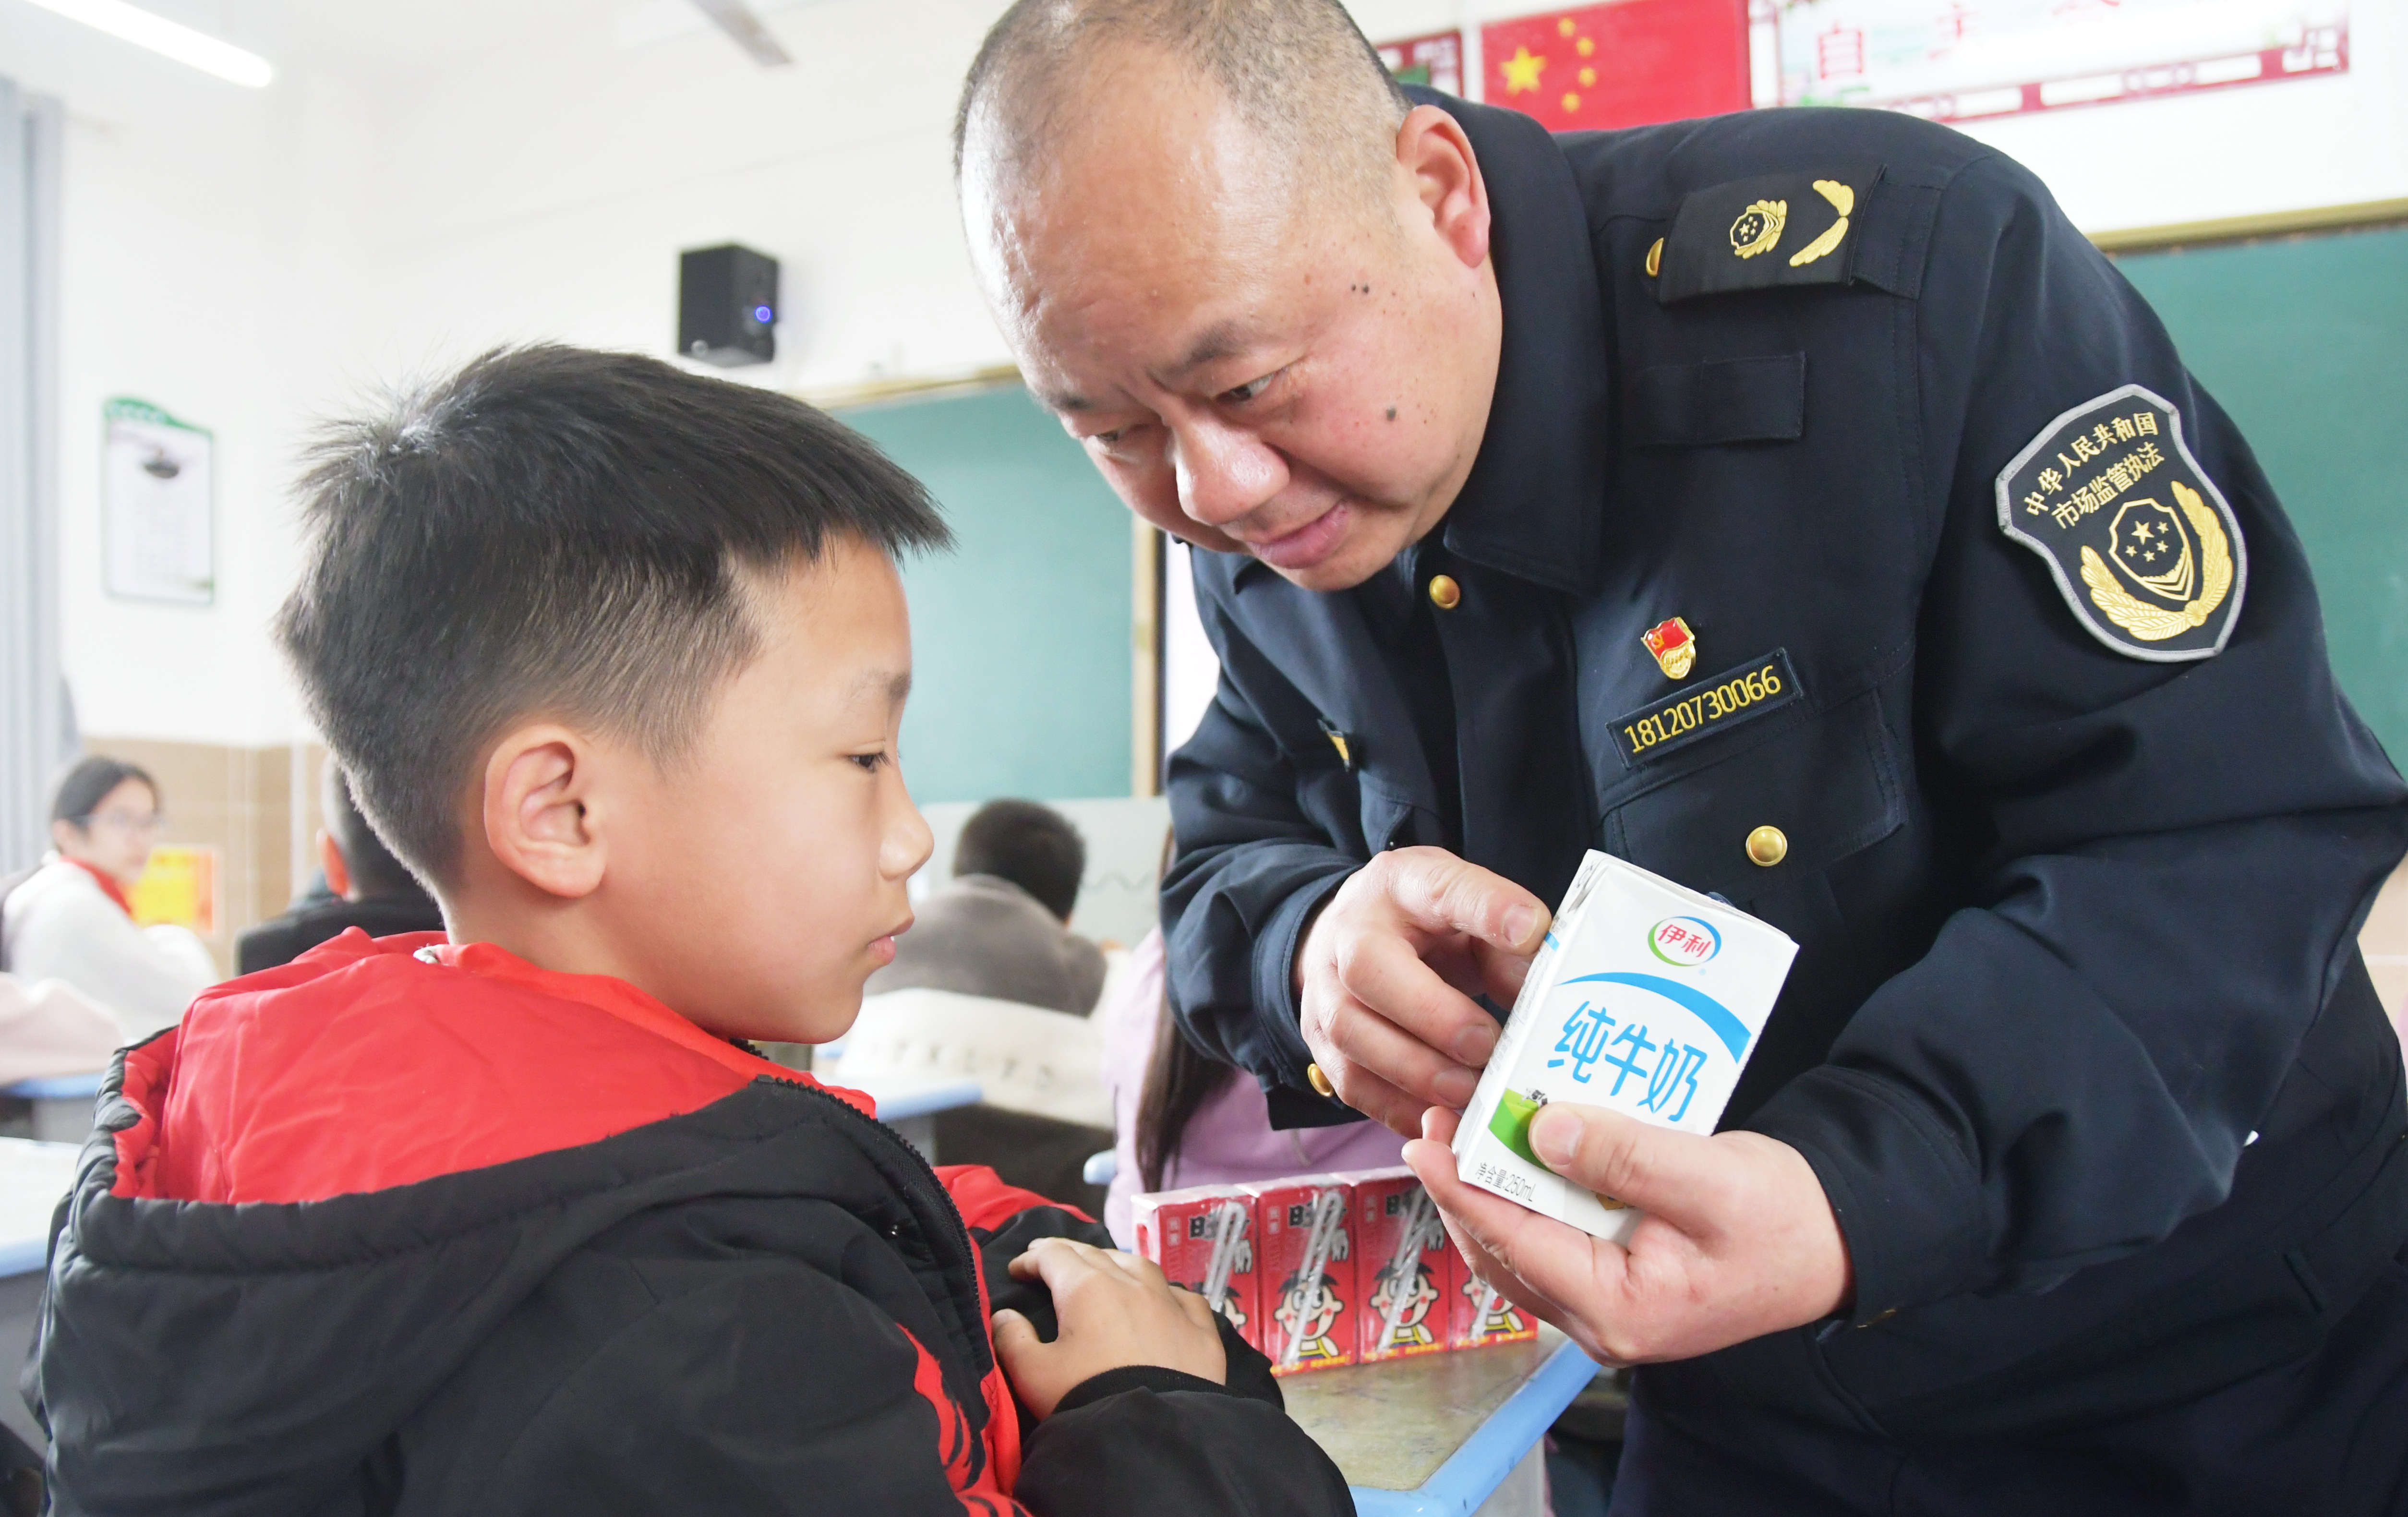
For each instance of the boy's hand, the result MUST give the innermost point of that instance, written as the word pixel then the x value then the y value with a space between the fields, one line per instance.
pixel 1115 1309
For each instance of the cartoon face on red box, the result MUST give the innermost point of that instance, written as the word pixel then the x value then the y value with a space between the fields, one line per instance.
pixel 1398 1319
pixel 1405 1263
pixel 1311 1316
pixel 1205 1240
pixel 1482 1316
pixel 1307 1263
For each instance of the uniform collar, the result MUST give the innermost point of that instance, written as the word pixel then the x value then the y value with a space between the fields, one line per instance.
pixel 1532 505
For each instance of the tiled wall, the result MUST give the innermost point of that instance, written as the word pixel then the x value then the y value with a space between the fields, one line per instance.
pixel 240 801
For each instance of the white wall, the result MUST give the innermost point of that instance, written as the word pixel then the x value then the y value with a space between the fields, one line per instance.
pixel 171 213
pixel 426 180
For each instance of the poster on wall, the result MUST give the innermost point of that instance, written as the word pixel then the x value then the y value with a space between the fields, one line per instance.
pixel 1968 60
pixel 158 539
pixel 1435 60
pixel 1622 64
pixel 179 885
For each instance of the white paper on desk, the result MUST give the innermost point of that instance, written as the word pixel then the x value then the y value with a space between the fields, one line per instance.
pixel 1646 998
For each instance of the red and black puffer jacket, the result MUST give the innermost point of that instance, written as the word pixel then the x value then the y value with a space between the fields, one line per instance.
pixel 408 1229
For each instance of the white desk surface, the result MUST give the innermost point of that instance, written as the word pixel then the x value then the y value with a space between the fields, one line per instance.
pixel 32 1177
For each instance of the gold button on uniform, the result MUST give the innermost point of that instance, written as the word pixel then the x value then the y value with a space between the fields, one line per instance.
pixel 1444 592
pixel 1767 845
pixel 1320 1082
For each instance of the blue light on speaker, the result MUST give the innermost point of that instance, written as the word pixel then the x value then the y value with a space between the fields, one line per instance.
pixel 762 314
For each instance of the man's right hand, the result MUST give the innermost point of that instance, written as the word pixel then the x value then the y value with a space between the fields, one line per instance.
pixel 1386 974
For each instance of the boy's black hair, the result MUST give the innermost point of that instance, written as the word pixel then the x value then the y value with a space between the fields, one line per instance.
pixel 87 783
pixel 560 531
pixel 1033 846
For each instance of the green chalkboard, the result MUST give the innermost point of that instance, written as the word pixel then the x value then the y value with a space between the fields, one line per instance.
pixel 1019 637
pixel 2305 342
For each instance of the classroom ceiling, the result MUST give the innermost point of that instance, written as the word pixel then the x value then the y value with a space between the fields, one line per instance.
pixel 385 37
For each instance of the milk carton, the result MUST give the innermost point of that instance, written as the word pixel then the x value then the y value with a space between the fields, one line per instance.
pixel 1645 998
pixel 1205 1238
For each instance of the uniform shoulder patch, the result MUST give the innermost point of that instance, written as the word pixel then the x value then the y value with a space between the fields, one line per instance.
pixel 1767 230
pixel 2141 544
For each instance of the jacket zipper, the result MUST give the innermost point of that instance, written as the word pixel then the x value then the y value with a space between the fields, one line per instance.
pixel 958 1231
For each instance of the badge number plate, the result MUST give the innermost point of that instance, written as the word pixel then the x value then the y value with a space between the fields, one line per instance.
pixel 1756 688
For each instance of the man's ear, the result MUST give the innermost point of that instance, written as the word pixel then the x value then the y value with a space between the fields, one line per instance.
pixel 1432 149
pixel 339 869
pixel 540 786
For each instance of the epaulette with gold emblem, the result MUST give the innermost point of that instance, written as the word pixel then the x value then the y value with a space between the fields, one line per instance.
pixel 1763 232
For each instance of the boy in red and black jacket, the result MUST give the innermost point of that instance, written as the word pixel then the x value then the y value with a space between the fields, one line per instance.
pixel 511 1219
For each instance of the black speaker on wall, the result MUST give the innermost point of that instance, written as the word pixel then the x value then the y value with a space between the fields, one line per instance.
pixel 727 306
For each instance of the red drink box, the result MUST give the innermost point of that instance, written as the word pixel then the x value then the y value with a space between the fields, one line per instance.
pixel 1322 1316
pixel 1401 1251
pixel 1182 1230
pixel 1478 1316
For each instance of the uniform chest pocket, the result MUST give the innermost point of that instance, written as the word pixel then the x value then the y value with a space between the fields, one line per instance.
pixel 1722 400
pixel 1806 796
pixel 1346 791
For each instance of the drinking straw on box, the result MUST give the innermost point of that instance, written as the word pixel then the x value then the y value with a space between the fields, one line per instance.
pixel 1328 1215
pixel 1486 1299
pixel 1229 1229
pixel 1421 1224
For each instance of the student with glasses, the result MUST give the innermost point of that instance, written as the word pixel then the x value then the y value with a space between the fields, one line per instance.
pixel 70 919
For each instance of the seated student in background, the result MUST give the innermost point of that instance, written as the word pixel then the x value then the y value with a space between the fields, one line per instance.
pixel 518 1222
pixel 70 920
pixel 1000 927
pixel 367 889
pixel 1179 1119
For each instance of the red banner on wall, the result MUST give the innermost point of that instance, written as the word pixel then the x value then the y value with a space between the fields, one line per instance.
pixel 1621 65
pixel 1435 60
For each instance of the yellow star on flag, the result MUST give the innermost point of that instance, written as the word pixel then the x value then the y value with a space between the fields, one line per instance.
pixel 1521 71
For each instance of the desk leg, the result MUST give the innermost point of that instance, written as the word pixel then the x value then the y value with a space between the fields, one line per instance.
pixel 62 1122
pixel 1522 1493
pixel 920 1132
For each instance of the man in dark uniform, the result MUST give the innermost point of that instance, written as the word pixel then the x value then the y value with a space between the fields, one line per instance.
pixel 1795 505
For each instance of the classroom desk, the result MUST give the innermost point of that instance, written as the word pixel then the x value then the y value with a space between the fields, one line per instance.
pixel 1444 1435
pixel 910 1107
pixel 62 1105
pixel 33 1179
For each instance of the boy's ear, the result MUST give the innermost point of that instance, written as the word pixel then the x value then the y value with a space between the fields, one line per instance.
pixel 339 869
pixel 538 781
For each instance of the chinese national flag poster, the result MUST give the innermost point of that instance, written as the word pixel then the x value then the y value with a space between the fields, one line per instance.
pixel 1621 65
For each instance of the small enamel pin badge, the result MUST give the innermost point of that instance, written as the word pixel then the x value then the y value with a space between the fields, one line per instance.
pixel 2141 544
pixel 1674 645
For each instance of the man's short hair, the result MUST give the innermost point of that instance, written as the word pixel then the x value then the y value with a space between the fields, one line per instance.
pixel 374 870
pixel 1299 73
pixel 557 531
pixel 1033 846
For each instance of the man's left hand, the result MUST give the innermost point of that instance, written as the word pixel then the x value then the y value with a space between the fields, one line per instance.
pixel 1739 1240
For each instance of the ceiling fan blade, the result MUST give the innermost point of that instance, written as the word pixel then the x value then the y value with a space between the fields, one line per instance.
pixel 736 19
